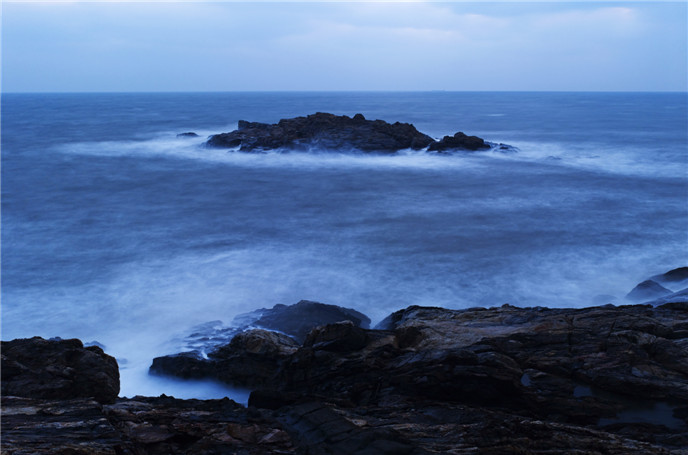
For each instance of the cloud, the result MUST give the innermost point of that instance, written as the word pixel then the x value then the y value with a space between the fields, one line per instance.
pixel 343 46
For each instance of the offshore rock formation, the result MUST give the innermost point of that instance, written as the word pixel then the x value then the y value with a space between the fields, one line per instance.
pixel 610 380
pixel 668 287
pixel 340 132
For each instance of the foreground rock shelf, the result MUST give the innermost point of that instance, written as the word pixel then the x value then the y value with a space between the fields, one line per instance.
pixel 323 131
pixel 503 380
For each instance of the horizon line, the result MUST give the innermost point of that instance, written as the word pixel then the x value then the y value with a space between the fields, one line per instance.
pixel 67 92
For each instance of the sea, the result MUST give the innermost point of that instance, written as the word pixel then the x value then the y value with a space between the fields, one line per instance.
pixel 120 233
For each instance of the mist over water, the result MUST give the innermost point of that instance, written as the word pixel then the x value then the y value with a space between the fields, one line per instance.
pixel 115 230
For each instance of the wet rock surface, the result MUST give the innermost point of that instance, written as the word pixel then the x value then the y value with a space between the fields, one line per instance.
pixel 598 380
pixel 38 368
pixel 293 320
pixel 339 132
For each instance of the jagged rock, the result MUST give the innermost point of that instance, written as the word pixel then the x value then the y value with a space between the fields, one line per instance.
pixel 58 369
pixel 598 380
pixel 460 141
pixel 324 131
pixel 647 290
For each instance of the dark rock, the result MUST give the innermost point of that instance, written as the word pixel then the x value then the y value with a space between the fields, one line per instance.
pixel 459 141
pixel 66 426
pixel 492 381
pixel 672 276
pixel 59 369
pixel 188 134
pixel 320 429
pixel 252 358
pixel 187 365
pixel 153 426
pixel 647 290
pixel 338 337
pixel 299 319
pixel 324 131
pixel 227 348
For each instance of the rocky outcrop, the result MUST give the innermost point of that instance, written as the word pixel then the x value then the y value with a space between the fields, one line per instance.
pixel 293 320
pixel 249 356
pixel 65 369
pixel 187 134
pixel 598 380
pixel 616 374
pixel 338 132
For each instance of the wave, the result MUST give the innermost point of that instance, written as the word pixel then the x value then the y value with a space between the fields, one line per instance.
pixel 595 157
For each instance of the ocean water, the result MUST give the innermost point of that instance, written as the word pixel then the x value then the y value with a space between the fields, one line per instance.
pixel 114 230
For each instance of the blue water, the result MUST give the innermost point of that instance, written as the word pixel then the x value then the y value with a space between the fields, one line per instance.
pixel 114 230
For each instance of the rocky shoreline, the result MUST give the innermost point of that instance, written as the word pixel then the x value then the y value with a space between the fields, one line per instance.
pixel 597 380
pixel 324 131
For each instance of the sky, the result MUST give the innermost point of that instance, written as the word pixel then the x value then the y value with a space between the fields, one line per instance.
pixel 104 46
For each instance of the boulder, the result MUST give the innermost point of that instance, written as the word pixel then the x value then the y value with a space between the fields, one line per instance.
pixel 58 369
pixel 299 319
pixel 461 141
pixel 187 134
pixel 186 365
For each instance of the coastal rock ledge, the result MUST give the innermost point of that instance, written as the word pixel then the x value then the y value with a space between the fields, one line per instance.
pixel 339 132
pixel 503 380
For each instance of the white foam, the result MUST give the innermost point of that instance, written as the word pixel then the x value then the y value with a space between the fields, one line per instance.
pixel 602 157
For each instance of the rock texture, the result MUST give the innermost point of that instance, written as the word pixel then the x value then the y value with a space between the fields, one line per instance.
pixel 501 380
pixel 38 368
pixel 141 425
pixel 338 132
pixel 598 380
